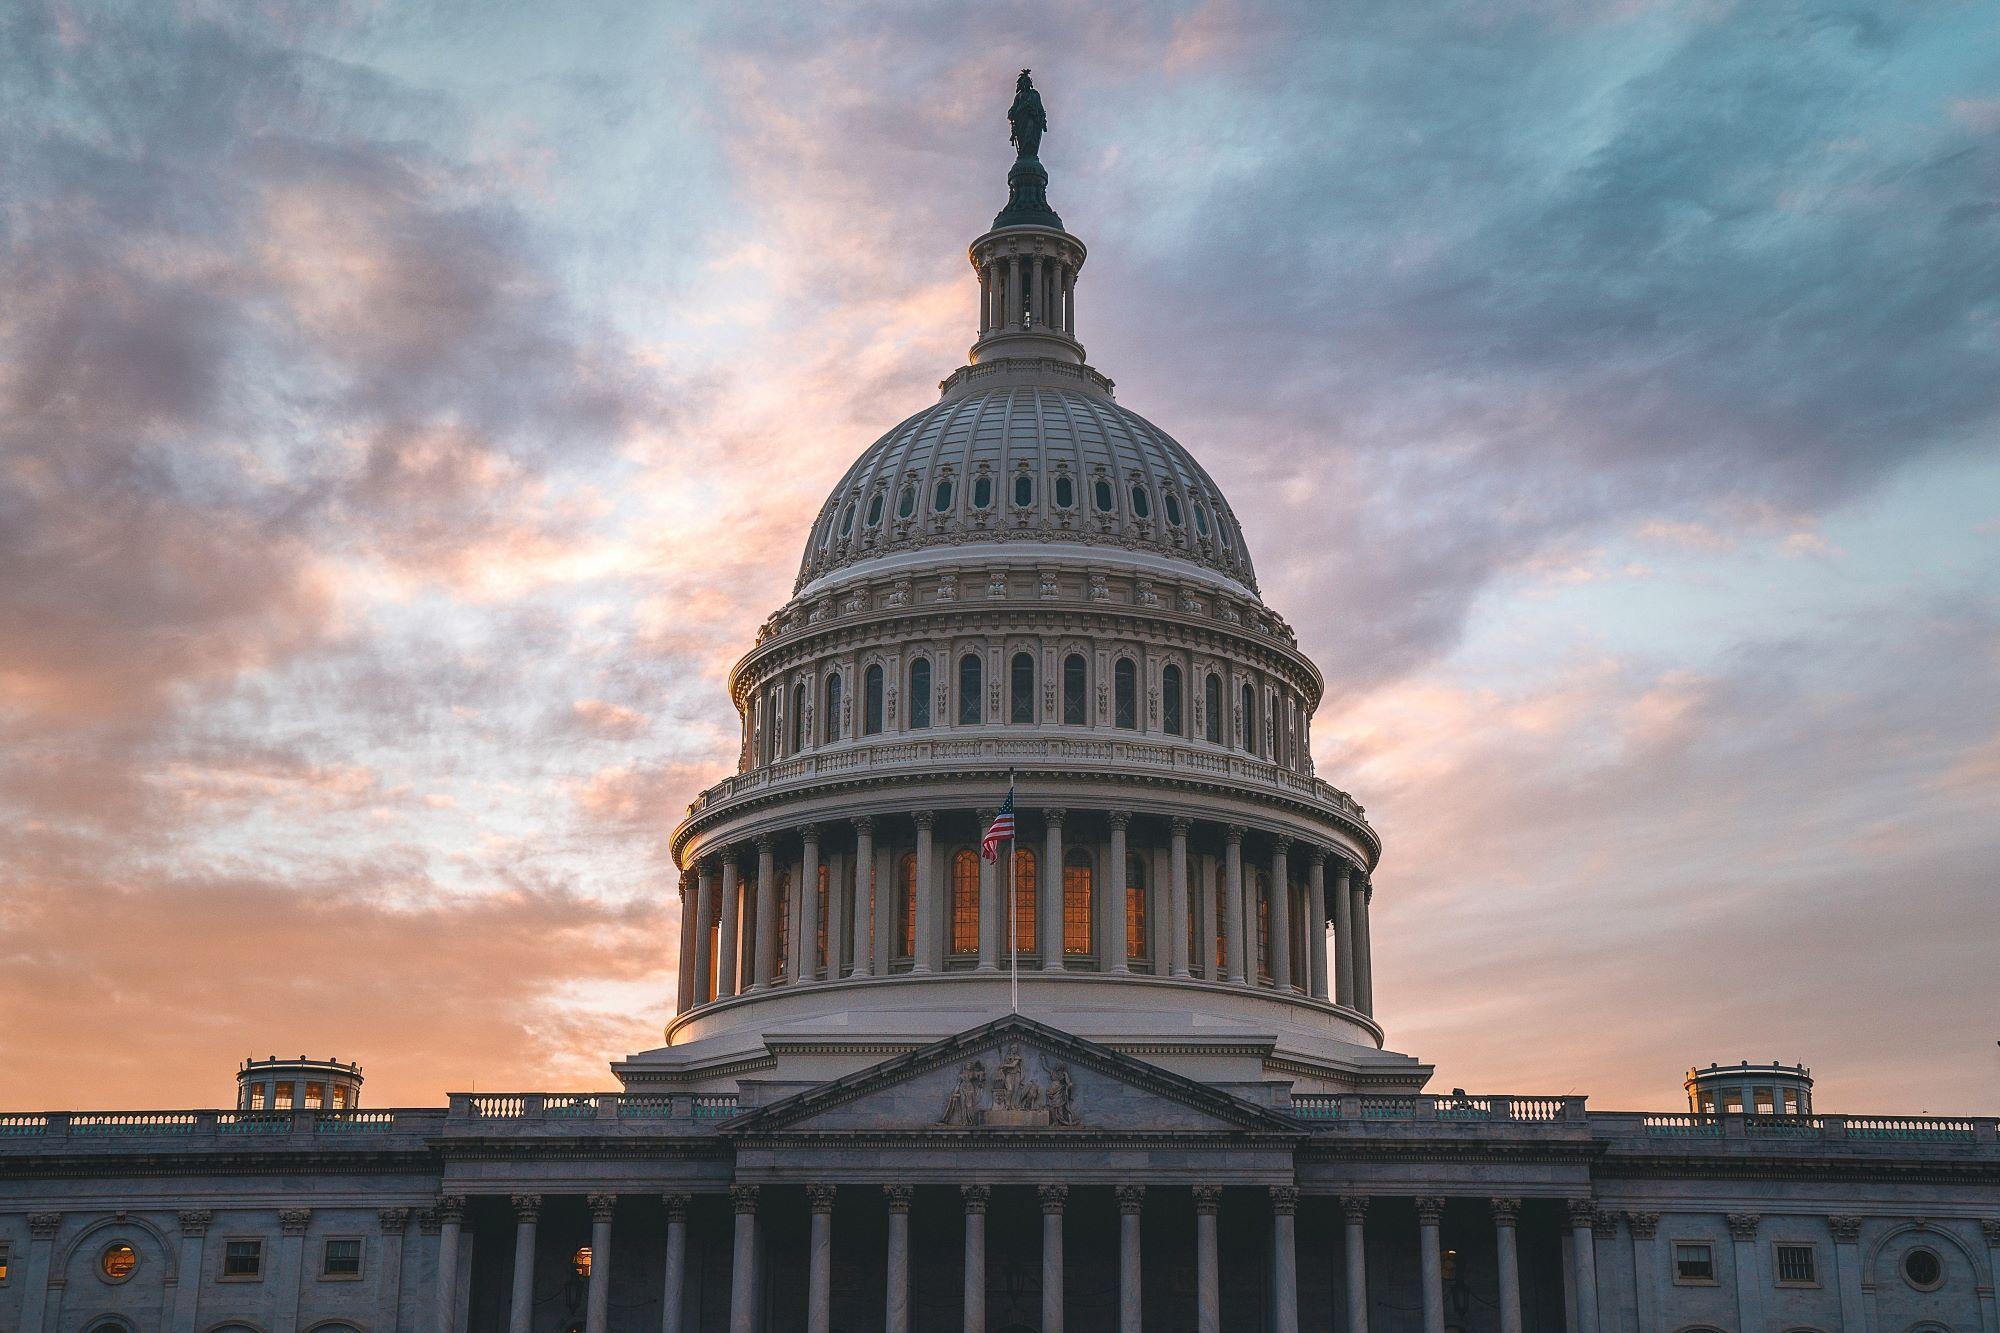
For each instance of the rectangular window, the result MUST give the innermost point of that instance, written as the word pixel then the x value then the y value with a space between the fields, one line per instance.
pixel 343 1257
pixel 315 1096
pixel 339 1098
pixel 242 1260
pixel 1797 1265
pixel 1765 1106
pixel 256 1097
pixel 1732 1102
pixel 4 1256
pixel 281 1097
pixel 1694 1261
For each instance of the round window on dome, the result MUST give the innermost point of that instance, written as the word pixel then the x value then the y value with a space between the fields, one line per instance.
pixel 1024 491
pixel 1065 491
pixel 875 510
pixel 847 518
pixel 1201 518
pixel 1141 506
pixel 906 502
pixel 941 496
pixel 982 493
pixel 1173 507
pixel 1923 1270
pixel 118 1262
pixel 1102 493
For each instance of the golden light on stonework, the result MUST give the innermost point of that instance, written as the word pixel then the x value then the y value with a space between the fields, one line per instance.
pixel 581 1261
pixel 119 1262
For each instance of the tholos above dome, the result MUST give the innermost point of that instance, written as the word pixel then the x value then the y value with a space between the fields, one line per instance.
pixel 1013 456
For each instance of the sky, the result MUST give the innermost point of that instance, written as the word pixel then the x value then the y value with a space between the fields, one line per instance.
pixel 408 412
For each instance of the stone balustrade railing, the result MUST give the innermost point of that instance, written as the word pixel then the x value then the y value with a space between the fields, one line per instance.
pixel 900 756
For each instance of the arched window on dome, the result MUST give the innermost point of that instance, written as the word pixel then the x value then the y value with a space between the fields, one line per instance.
pixel 1135 905
pixel 847 518
pixel 1021 688
pixel 798 717
pixel 871 701
pixel 875 510
pixel 1065 491
pixel 982 491
pixel 1142 507
pixel 906 905
pixel 965 902
pixel 1024 900
pixel 1211 698
pixel 1077 902
pixel 829 727
pixel 1172 504
pixel 1201 518
pixel 1125 694
pixel 941 496
pixel 1024 490
pixel 1170 699
pixel 1246 724
pixel 1073 686
pixel 1102 493
pixel 906 501
pixel 969 686
pixel 920 692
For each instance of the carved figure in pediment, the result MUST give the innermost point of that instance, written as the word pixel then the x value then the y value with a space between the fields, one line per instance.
pixel 1062 1095
pixel 1008 1078
pixel 962 1107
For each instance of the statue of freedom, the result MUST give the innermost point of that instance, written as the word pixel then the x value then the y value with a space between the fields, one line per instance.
pixel 1027 117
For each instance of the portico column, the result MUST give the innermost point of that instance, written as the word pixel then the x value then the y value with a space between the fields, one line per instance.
pixel 766 955
pixel 1284 1259
pixel 1583 1263
pixel 1343 939
pixel 1114 951
pixel 1316 922
pixel 521 1310
pixel 896 1317
pixel 1207 1264
pixel 187 1293
pixel 1354 1211
pixel 808 950
pixel 992 899
pixel 743 1261
pixel 1051 912
pixel 1232 905
pixel 864 874
pixel 1364 967
pixel 1847 1267
pixel 451 1216
pixel 1749 1277
pixel 708 899
pixel 597 1311
pixel 1648 1294
pixel 1281 914
pixel 926 943
pixel 727 951
pixel 1131 1203
pixel 292 1225
pixel 1429 1211
pixel 1053 1197
pixel 42 1228
pixel 1177 901
pixel 975 1197
pixel 673 1296
pixel 389 1291
pixel 1505 1243
pixel 819 1266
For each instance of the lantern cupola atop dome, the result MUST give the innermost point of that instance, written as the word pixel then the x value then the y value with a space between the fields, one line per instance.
pixel 1028 263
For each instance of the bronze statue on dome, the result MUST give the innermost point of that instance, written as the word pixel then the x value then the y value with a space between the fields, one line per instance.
pixel 1027 117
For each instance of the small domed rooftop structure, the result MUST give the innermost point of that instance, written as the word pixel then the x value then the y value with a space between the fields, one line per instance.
pixel 280 1084
pixel 1764 1089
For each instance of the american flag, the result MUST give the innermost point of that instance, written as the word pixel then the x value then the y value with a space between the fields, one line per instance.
pixel 1001 829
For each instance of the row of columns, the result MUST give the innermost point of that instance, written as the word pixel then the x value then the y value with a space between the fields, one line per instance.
pixel 855 947
pixel 1007 283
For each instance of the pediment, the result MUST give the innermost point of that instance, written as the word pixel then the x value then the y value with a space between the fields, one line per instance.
pixel 1012 1076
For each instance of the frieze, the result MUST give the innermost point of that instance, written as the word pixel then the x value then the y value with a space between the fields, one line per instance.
pixel 1011 1099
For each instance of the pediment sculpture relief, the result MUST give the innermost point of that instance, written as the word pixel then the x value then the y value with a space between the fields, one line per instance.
pixel 1009 1097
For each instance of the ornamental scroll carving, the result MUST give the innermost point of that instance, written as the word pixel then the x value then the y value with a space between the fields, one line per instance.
pixel 1008 1097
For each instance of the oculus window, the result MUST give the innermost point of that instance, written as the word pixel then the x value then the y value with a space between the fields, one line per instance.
pixel 1923 1269
pixel 118 1262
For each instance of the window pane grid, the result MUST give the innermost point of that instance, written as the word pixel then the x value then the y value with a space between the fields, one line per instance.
pixel 1076 906
pixel 965 902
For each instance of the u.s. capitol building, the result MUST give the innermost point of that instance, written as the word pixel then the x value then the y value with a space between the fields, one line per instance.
pixel 1130 1074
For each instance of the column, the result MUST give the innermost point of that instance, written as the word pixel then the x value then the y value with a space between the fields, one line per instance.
pixel 1429 1211
pixel 1847 1270
pixel 292 1225
pixel 1210 969
pixel 925 947
pixel 727 951
pixel 976 1197
pixel 819 1267
pixel 985 298
pixel 1364 970
pixel 597 1308
pixel 1050 913
pixel 1749 1278
pixel 1053 1197
pixel 1583 1264
pixel 1041 317
pixel 1316 921
pixel 1505 1241
pixel 1284 1259
pixel 1069 301
pixel 42 1228
pixel 1343 939
pixel 864 873
pixel 673 1297
pixel 743 1261
pixel 992 900
pixel 1131 1203
pixel 187 1291
pixel 896 1318
pixel 1281 914
pixel 1354 1212
pixel 808 950
pixel 1990 1228
pixel 389 1290
pixel 1649 1296
pixel 766 955
pixel 521 1310
pixel 451 1217
pixel 1113 910
pixel 1232 907
pixel 708 897
pixel 1207 1264
pixel 791 965
pixel 684 969
pixel 1177 899
pixel 838 929
pixel 1016 284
